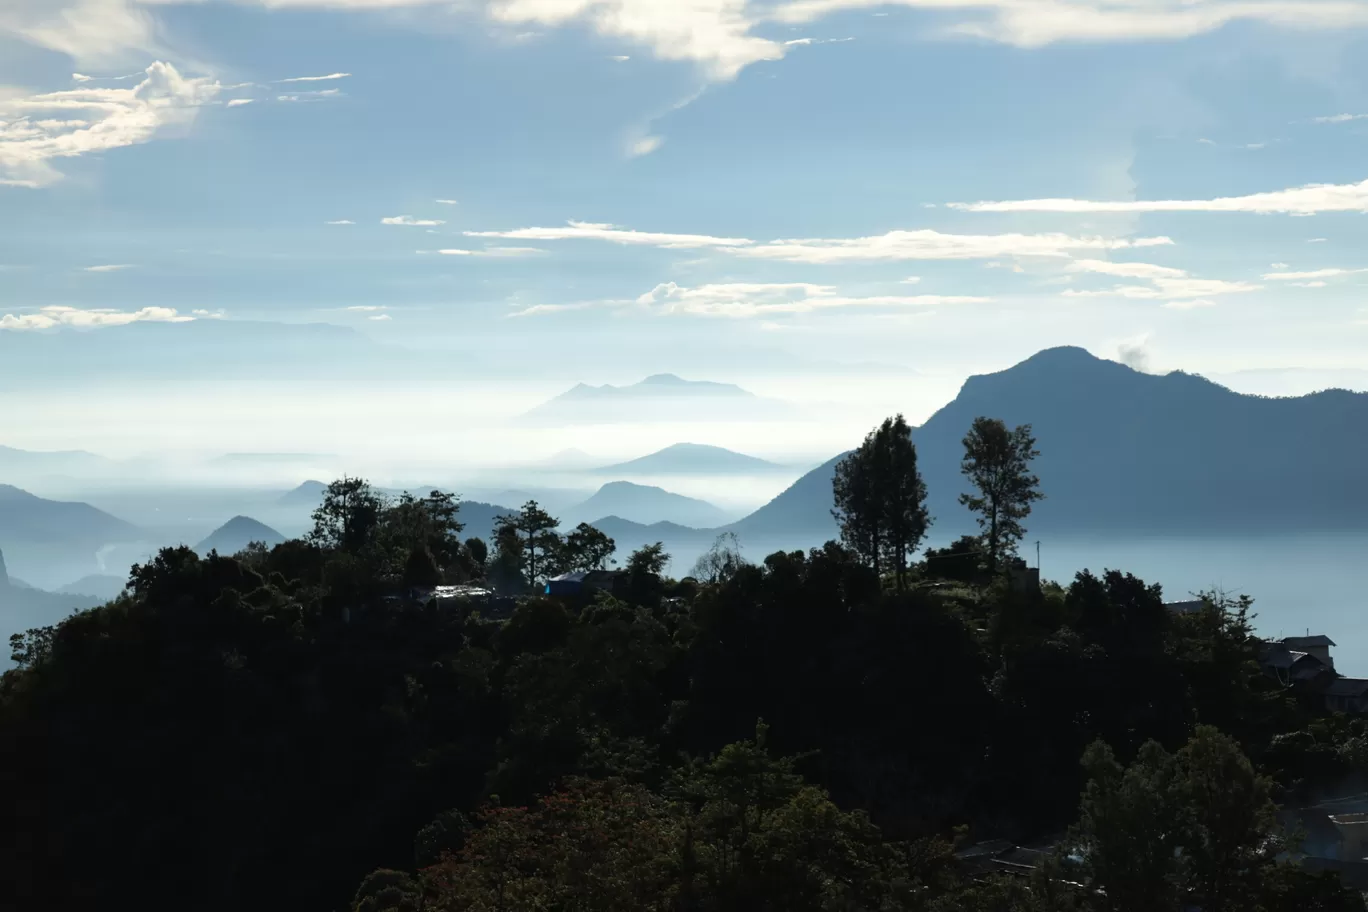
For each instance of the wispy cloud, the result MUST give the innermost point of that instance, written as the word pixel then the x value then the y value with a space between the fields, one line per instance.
pixel 55 316
pixel 501 252
pixel 239 102
pixel 1309 284
pixel 747 300
pixel 448 202
pixel 1305 200
pixel 1311 274
pixel 340 222
pixel 366 308
pixel 380 318
pixel 926 244
pixel 1339 118
pixel 309 96
pixel 591 231
pixel 644 146
pixel 108 267
pixel 411 222
pixel 1167 289
pixel 37 129
pixel 330 76
pixel 1126 270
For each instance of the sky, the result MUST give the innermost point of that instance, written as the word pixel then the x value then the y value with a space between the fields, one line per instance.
pixel 839 200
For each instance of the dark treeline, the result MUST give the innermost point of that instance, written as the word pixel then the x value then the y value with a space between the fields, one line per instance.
pixel 302 729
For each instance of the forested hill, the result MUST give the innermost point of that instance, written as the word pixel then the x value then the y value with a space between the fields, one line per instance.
pixel 1127 451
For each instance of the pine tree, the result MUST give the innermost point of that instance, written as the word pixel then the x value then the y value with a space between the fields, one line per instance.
pixel 998 464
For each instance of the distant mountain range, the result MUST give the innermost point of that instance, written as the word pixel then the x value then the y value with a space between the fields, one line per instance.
pixel 691 459
pixel 1128 452
pixel 23 607
pixel 658 398
pixel 644 504
pixel 55 540
pixel 238 533
pixel 100 586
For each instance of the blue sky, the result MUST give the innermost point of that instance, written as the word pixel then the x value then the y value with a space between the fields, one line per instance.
pixel 756 191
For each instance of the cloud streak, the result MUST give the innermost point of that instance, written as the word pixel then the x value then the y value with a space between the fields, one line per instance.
pixel 411 222
pixel 1305 200
pixel 592 231
pixel 36 130
pixel 55 317
pixel 330 76
pixel 926 244
pixel 1312 274
pixel 109 267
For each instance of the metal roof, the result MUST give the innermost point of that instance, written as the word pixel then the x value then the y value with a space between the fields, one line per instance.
pixel 1319 639
pixel 1347 687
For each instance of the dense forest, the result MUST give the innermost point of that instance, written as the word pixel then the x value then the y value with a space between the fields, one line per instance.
pixel 306 728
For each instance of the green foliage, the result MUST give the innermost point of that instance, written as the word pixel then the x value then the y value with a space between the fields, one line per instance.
pixel 528 540
pixel 721 561
pixel 585 548
pixel 880 499
pixel 997 462
pixel 348 518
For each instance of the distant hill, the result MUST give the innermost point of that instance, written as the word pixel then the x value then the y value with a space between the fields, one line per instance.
pixel 48 541
pixel 662 397
pixel 37 463
pixel 691 459
pixel 100 586
pixel 22 607
pixel 645 504
pixel 1124 451
pixel 238 533
pixel 479 518
pixel 309 494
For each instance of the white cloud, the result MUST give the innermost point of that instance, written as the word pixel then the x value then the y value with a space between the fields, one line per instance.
pixel 1309 284
pixel 238 102
pixel 1126 270
pixel 1305 200
pixel 58 316
pixel 912 280
pixel 93 120
pixel 926 244
pixel 95 33
pixel 503 252
pixel 447 202
pixel 1312 274
pixel 1167 289
pixel 1278 265
pixel 1041 22
pixel 1339 118
pixel 366 308
pixel 644 146
pixel 604 232
pixel 798 42
pixel 744 300
pixel 1207 142
pixel 1316 240
pixel 380 317
pixel 316 78
pixel 340 222
pixel 109 267
pixel 411 222
pixel 1188 304
pixel 309 96
pixel 209 314
pixel 620 58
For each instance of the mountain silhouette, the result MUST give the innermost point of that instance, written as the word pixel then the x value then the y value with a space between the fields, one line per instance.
pixel 661 397
pixel 645 504
pixel 691 459
pixel 1125 451
pixel 238 533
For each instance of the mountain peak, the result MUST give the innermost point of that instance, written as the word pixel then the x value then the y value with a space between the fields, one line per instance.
pixel 663 380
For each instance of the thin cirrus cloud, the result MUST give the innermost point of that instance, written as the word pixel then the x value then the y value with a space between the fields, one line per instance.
pixel 923 244
pixel 719 36
pixel 327 78
pixel 57 316
pixel 1167 289
pixel 37 130
pixel 108 267
pixel 1339 118
pixel 748 300
pixel 1311 274
pixel 1305 200
pixel 500 252
pixel 593 231
pixel 340 222
pixel 239 102
pixel 411 222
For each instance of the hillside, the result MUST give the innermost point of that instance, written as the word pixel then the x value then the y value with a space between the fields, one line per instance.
pixel 645 504
pixel 691 459
pixel 96 585
pixel 309 494
pixel 1140 453
pixel 657 398
pixel 238 533
pixel 23 607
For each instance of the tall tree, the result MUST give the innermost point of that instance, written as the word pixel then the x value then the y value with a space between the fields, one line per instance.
pixel 720 561
pixel 535 532
pixel 903 497
pixel 997 462
pixel 348 517
pixel 586 548
pixel 880 499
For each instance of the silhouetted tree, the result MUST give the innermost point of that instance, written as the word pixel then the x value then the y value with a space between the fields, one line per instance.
pixel 721 561
pixel 880 499
pixel 997 461
pixel 348 517
pixel 535 532
pixel 585 548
